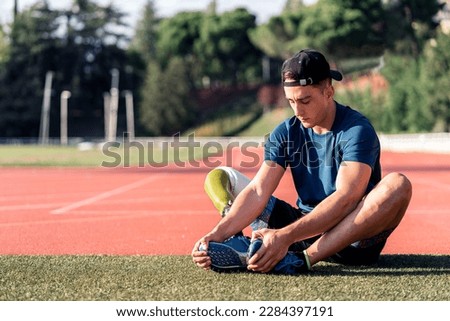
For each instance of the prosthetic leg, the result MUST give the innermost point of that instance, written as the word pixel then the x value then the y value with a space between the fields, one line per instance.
pixel 222 185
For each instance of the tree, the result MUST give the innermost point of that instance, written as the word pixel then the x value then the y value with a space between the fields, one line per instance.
pixel 22 80
pixel 146 36
pixel 345 28
pixel 409 24
pixel 177 36
pixel 279 37
pixel 212 7
pixel 224 48
pixel 406 110
pixel 341 28
pixel 92 48
pixel 167 107
pixel 293 5
pixel 4 47
pixel 214 46
pixel 80 45
pixel 436 69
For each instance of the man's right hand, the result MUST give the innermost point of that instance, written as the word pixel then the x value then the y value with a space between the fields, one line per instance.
pixel 200 257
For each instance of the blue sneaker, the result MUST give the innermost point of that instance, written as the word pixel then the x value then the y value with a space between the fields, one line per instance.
pixel 230 255
pixel 292 263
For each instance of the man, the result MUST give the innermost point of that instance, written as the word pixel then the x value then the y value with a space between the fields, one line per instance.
pixel 346 210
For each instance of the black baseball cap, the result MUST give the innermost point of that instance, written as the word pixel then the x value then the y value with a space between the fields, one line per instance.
pixel 308 67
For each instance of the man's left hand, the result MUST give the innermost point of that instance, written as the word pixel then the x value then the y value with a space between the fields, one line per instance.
pixel 272 251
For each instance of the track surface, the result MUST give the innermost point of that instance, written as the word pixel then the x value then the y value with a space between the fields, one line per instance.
pixel 149 211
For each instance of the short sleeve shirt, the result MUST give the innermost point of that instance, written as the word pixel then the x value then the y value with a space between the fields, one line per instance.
pixel 314 159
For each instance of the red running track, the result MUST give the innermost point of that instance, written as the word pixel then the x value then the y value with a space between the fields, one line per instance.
pixel 147 211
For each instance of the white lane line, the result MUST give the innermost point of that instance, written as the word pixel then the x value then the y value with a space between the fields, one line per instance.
pixel 104 195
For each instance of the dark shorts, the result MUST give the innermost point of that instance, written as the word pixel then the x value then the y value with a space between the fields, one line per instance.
pixel 366 252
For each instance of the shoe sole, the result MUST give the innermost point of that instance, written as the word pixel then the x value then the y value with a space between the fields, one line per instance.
pixel 226 259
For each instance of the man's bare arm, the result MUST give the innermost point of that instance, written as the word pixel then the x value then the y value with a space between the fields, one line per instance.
pixel 351 185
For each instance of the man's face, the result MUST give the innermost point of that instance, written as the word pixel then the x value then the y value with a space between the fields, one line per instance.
pixel 310 104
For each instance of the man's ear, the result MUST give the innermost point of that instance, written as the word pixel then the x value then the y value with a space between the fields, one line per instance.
pixel 329 92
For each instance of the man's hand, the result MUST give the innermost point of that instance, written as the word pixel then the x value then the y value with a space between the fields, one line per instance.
pixel 201 258
pixel 272 251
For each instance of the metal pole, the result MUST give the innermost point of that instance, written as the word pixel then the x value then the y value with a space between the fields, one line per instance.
pixel 65 95
pixel 106 104
pixel 45 114
pixel 114 105
pixel 130 114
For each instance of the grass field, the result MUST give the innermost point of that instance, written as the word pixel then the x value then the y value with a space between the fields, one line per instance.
pixel 72 156
pixel 33 155
pixel 167 278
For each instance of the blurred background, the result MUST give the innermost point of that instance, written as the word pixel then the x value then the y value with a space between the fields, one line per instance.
pixel 84 70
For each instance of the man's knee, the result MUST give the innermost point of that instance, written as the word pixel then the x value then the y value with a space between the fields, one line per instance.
pixel 399 184
pixel 397 192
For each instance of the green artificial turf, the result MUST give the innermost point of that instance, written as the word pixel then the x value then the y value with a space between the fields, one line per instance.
pixel 71 156
pixel 175 278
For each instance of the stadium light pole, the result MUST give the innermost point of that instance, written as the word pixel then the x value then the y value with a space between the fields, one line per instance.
pixel 65 95
pixel 45 114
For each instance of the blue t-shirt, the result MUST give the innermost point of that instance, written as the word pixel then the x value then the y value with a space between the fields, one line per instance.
pixel 314 159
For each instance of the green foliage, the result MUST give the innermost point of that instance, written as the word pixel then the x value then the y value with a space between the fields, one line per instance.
pixel 146 35
pixel 405 105
pixel 436 81
pixel 279 38
pixel 370 104
pixel 84 42
pixel 80 46
pixel 22 79
pixel 177 35
pixel 267 122
pixel 343 28
pixel 409 24
pixel 216 47
pixel 4 47
pixel 416 99
pixel 293 5
pixel 167 107
pixel 224 48
pixel 352 27
pixel 230 118
pixel 362 65
pixel 406 109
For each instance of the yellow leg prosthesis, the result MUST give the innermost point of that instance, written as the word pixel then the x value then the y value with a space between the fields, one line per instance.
pixel 217 186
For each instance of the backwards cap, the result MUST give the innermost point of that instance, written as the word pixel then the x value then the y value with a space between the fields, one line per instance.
pixel 308 67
